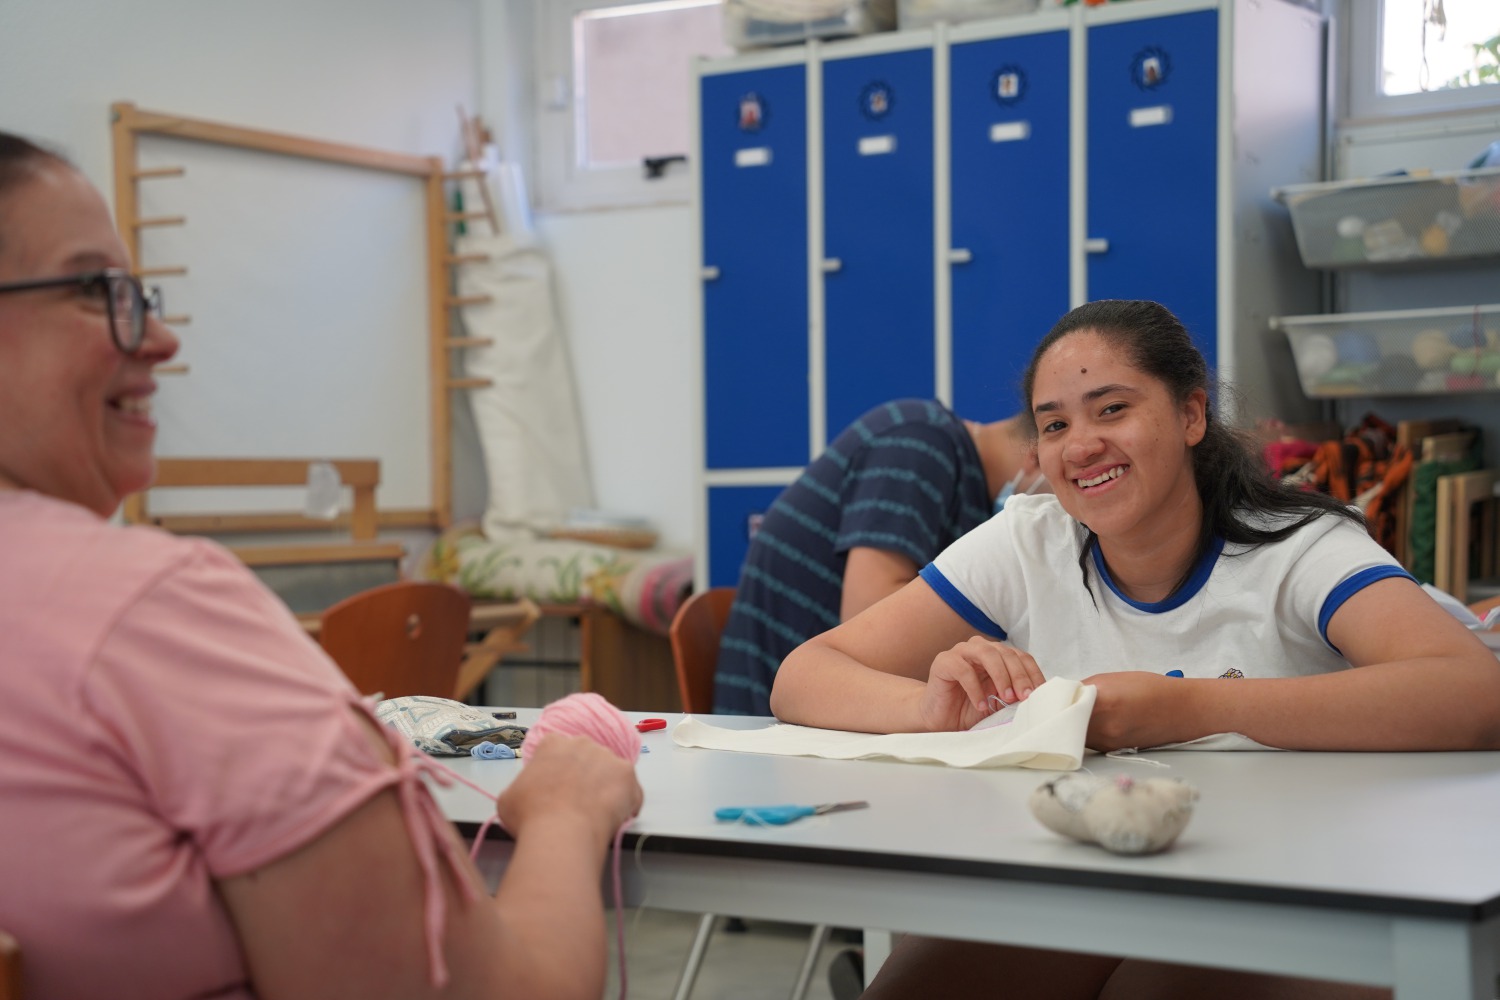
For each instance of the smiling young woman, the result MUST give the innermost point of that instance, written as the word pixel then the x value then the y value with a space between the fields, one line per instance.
pixel 1189 557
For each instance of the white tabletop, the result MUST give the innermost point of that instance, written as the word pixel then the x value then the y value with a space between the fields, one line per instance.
pixel 1394 845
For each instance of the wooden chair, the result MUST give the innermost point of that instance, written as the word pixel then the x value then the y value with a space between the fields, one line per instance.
pixel 694 633
pixel 400 639
pixel 10 968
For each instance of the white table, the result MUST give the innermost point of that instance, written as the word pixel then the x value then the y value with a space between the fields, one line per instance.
pixel 1370 868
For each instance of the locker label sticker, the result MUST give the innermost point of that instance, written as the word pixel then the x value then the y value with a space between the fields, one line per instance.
pixel 876 145
pixel 1160 114
pixel 877 100
pixel 1150 67
pixel 752 111
pixel 1010 131
pixel 755 156
pixel 1008 85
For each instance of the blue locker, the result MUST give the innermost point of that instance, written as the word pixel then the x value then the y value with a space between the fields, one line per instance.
pixel 1153 88
pixel 1009 138
pixel 878 223
pixel 754 202
pixel 731 514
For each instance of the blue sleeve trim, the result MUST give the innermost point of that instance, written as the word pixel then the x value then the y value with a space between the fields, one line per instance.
pixel 959 603
pixel 1359 581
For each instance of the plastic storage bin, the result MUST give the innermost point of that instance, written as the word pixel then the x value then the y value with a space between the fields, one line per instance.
pixel 921 13
pixel 1394 220
pixel 753 24
pixel 1403 353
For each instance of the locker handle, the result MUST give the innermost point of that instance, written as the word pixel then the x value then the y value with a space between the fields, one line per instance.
pixel 832 265
pixel 1096 245
pixel 959 255
pixel 710 273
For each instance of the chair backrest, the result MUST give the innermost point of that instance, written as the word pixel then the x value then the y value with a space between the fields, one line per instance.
pixel 10 968
pixel 695 645
pixel 400 639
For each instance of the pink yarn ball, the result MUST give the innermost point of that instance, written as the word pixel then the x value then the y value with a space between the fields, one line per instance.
pixel 591 715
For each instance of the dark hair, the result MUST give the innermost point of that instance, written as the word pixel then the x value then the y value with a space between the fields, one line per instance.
pixel 19 160
pixel 20 157
pixel 1242 502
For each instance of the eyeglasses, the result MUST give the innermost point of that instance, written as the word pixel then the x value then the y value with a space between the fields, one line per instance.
pixel 125 300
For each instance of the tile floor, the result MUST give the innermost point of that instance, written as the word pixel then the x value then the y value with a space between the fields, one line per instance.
pixel 760 963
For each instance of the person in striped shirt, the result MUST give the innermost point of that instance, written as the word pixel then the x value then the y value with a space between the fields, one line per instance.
pixel 889 493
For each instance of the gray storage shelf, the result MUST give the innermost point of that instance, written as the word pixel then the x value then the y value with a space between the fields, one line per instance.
pixel 1399 220
pixel 1408 352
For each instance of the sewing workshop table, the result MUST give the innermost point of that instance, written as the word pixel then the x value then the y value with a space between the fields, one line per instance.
pixel 1370 868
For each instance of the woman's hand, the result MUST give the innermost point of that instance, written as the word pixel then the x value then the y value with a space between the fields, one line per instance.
pixel 961 680
pixel 571 775
pixel 1138 708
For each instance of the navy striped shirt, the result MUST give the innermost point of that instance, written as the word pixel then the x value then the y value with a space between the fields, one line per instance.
pixel 905 477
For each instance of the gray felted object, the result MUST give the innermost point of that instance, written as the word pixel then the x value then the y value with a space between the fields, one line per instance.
pixel 1120 814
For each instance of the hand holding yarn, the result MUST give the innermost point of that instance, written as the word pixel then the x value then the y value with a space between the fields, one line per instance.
pixel 579 758
pixel 1121 814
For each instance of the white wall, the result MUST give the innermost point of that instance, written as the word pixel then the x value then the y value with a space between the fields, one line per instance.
pixel 625 297
pixel 385 74
pixel 382 73
pixel 388 74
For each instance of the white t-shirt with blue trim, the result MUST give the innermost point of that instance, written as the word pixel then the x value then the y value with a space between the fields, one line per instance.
pixel 1252 611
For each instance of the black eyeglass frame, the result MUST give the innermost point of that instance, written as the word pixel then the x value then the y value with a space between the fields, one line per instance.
pixel 142 301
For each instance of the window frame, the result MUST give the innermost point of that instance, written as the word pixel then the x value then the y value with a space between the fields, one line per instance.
pixel 562 184
pixel 1363 24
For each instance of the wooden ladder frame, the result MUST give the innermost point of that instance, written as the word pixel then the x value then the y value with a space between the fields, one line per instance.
pixel 129 123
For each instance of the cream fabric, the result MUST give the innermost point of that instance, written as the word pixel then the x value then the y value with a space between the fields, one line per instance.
pixel 528 419
pixel 1046 733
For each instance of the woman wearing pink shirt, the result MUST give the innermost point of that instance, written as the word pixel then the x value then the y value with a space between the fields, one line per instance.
pixel 196 802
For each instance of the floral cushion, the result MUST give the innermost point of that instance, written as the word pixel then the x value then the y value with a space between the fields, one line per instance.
pixel 645 586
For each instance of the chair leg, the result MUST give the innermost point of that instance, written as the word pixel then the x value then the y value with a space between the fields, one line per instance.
pixel 877 950
pixel 815 943
pixel 694 961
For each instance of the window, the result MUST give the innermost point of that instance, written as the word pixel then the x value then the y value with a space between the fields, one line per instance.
pixel 613 94
pixel 1414 56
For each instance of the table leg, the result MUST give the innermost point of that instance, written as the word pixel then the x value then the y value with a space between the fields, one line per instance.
pixel 877 950
pixel 1444 960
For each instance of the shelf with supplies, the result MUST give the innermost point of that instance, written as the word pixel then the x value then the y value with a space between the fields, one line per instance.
pixel 1408 352
pixel 1400 220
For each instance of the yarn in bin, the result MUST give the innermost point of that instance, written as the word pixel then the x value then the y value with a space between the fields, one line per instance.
pixel 591 715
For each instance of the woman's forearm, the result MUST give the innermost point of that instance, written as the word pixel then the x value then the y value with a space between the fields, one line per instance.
pixel 1420 704
pixel 552 940
pixel 820 686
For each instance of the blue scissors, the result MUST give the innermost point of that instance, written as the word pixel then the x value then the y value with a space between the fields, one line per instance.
pixel 781 815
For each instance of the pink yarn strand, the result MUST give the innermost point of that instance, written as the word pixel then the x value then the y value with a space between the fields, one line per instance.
pixel 591 715
pixel 620 909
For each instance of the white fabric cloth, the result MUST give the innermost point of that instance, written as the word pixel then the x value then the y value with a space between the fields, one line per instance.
pixel 1261 612
pixel 528 419
pixel 1046 733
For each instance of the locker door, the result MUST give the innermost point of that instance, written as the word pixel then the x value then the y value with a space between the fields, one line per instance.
pixel 732 511
pixel 878 221
pixel 1153 124
pixel 754 201
pixel 1009 140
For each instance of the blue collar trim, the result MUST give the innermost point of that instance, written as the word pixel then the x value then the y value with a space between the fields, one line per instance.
pixel 1178 597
